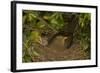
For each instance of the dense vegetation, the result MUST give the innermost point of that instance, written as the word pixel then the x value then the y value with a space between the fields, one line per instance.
pixel 40 26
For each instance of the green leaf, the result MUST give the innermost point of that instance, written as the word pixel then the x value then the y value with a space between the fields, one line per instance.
pixel 53 16
pixel 54 21
pixel 40 25
pixel 82 25
pixel 35 36
pixel 34 53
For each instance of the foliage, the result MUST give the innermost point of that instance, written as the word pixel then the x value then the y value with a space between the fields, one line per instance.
pixel 83 30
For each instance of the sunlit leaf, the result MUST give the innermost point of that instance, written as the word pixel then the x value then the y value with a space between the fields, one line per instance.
pixel 34 36
pixel 34 53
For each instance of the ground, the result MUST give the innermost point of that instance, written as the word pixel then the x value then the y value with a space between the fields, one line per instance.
pixel 57 52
